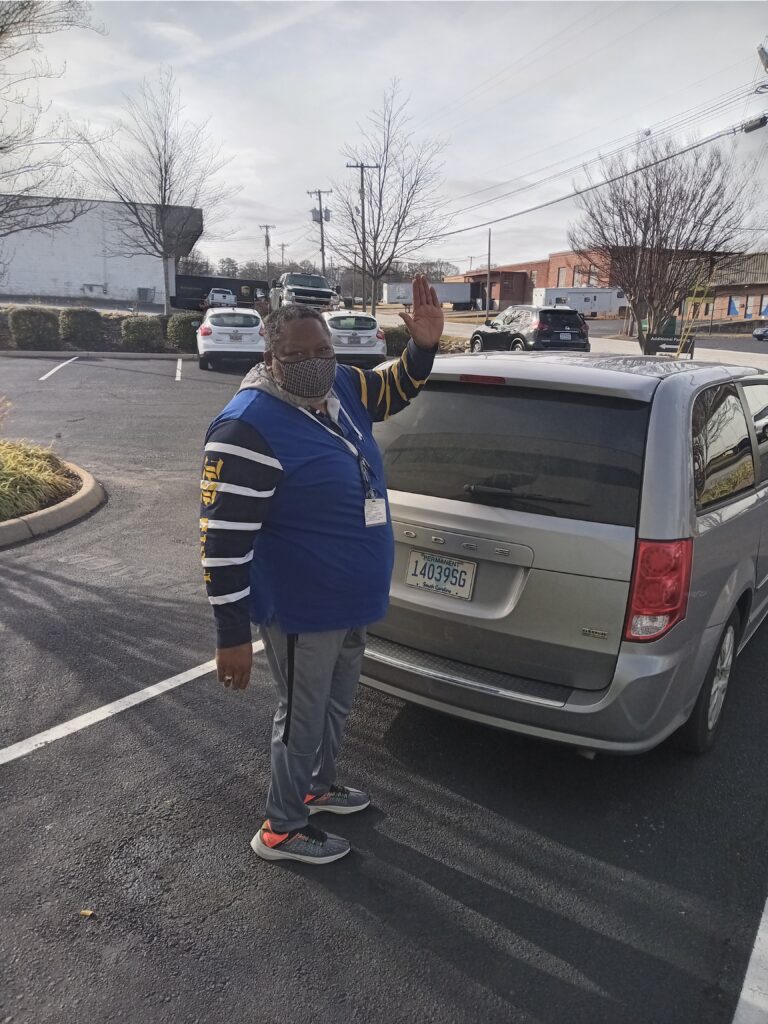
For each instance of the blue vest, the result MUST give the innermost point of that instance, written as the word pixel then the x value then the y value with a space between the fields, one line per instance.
pixel 316 566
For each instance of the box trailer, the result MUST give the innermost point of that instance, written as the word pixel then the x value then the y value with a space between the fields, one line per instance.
pixel 587 301
pixel 457 294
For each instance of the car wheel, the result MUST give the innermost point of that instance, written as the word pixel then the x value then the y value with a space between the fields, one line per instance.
pixel 203 363
pixel 698 734
pixel 476 345
pixel 517 346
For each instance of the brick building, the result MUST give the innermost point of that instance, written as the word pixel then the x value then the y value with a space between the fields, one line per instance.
pixel 514 282
pixel 739 290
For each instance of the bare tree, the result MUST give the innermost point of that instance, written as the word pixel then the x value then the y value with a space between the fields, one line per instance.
pixel 38 187
pixel 165 180
pixel 402 210
pixel 660 226
pixel 194 263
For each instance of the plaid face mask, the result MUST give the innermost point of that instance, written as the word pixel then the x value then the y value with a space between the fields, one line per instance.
pixel 310 379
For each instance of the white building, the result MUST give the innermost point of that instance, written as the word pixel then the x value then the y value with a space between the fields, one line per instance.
pixel 82 260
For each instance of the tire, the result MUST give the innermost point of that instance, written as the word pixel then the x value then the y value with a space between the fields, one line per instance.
pixel 476 345
pixel 699 733
pixel 203 363
pixel 517 346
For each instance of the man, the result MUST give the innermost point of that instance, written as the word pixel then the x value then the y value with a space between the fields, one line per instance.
pixel 296 537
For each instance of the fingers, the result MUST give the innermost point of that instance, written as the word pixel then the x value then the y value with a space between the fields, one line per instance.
pixel 407 320
pixel 419 291
pixel 433 297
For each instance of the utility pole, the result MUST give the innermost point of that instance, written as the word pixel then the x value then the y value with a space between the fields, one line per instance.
pixel 470 263
pixel 282 257
pixel 488 278
pixel 265 228
pixel 320 193
pixel 363 167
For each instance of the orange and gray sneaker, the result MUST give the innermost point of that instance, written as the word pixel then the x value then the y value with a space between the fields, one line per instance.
pixel 338 800
pixel 308 844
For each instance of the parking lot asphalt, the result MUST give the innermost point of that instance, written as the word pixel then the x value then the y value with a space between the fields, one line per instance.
pixel 495 879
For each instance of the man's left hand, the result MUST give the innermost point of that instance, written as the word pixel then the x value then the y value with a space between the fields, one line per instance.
pixel 426 323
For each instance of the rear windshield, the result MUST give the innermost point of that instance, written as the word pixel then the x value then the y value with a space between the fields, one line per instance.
pixel 353 323
pixel 234 320
pixel 560 318
pixel 553 453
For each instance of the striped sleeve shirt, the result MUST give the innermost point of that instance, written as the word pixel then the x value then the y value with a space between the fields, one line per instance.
pixel 239 478
pixel 389 390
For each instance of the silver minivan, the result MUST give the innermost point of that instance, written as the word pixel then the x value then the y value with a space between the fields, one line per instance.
pixel 581 545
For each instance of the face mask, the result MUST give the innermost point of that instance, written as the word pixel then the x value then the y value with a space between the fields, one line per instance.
pixel 309 380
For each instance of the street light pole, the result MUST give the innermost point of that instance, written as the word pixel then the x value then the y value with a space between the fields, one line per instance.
pixel 488 278
pixel 363 167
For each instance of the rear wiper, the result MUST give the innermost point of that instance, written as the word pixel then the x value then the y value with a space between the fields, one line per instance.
pixel 508 492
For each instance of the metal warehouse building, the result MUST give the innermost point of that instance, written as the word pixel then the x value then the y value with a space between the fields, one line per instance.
pixel 88 260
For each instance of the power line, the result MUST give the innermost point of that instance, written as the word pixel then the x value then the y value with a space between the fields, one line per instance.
pixel 733 130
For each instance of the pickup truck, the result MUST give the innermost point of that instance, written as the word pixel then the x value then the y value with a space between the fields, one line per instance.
pixel 303 289
pixel 219 297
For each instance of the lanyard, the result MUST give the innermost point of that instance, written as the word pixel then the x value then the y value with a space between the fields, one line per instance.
pixel 362 462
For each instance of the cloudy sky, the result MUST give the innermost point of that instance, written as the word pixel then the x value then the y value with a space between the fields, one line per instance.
pixel 519 92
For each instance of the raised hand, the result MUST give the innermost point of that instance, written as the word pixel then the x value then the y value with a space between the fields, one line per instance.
pixel 426 323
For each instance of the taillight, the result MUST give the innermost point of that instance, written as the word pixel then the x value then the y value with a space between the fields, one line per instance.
pixel 261 330
pixel 537 325
pixel 476 378
pixel 205 330
pixel 658 597
pixel 381 335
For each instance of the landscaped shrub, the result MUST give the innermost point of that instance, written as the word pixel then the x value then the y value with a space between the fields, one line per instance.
pixel 34 328
pixel 5 330
pixel 142 334
pixel 81 328
pixel 397 339
pixel 182 331
pixel 31 478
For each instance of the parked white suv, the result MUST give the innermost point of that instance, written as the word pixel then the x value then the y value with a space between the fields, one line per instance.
pixel 229 334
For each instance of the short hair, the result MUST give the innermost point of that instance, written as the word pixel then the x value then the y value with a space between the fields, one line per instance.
pixel 276 323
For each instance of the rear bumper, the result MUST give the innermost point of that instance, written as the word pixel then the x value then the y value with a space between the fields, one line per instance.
pixel 231 351
pixel 650 696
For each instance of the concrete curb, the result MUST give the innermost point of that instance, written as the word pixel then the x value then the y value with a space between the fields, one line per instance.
pixel 63 354
pixel 89 497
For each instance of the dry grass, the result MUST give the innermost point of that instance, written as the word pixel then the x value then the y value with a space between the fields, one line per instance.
pixel 31 478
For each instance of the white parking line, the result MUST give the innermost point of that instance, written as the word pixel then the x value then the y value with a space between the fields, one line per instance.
pixel 58 732
pixel 59 367
pixel 753 1004
pixel 178 369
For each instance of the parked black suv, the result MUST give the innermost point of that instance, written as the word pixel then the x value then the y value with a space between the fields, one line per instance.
pixel 525 328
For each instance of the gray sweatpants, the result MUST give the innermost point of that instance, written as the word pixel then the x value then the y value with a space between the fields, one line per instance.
pixel 316 677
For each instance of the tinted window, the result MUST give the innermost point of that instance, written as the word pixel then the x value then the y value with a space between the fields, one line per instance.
pixel 234 320
pixel 722 451
pixel 560 319
pixel 353 323
pixel 554 453
pixel 757 400
pixel 306 281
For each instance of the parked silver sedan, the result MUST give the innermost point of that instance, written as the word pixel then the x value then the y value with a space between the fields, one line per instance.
pixel 581 545
pixel 357 338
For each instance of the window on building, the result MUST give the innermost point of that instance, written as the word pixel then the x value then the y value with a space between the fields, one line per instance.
pixel 578 277
pixel 764 305
pixel 533 278
pixel 722 450
pixel 592 275
pixel 733 305
pixel 707 308
pixel 561 272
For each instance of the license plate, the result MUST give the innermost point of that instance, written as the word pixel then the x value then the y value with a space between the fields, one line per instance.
pixel 565 337
pixel 235 336
pixel 440 574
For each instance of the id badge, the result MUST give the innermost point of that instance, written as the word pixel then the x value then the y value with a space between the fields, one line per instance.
pixel 375 512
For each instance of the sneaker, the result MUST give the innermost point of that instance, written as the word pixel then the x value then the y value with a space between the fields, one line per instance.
pixel 338 800
pixel 309 845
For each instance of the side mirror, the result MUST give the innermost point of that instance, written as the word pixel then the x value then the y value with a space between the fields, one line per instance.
pixel 488 323
pixel 274 284
pixel 196 323
pixel 338 289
